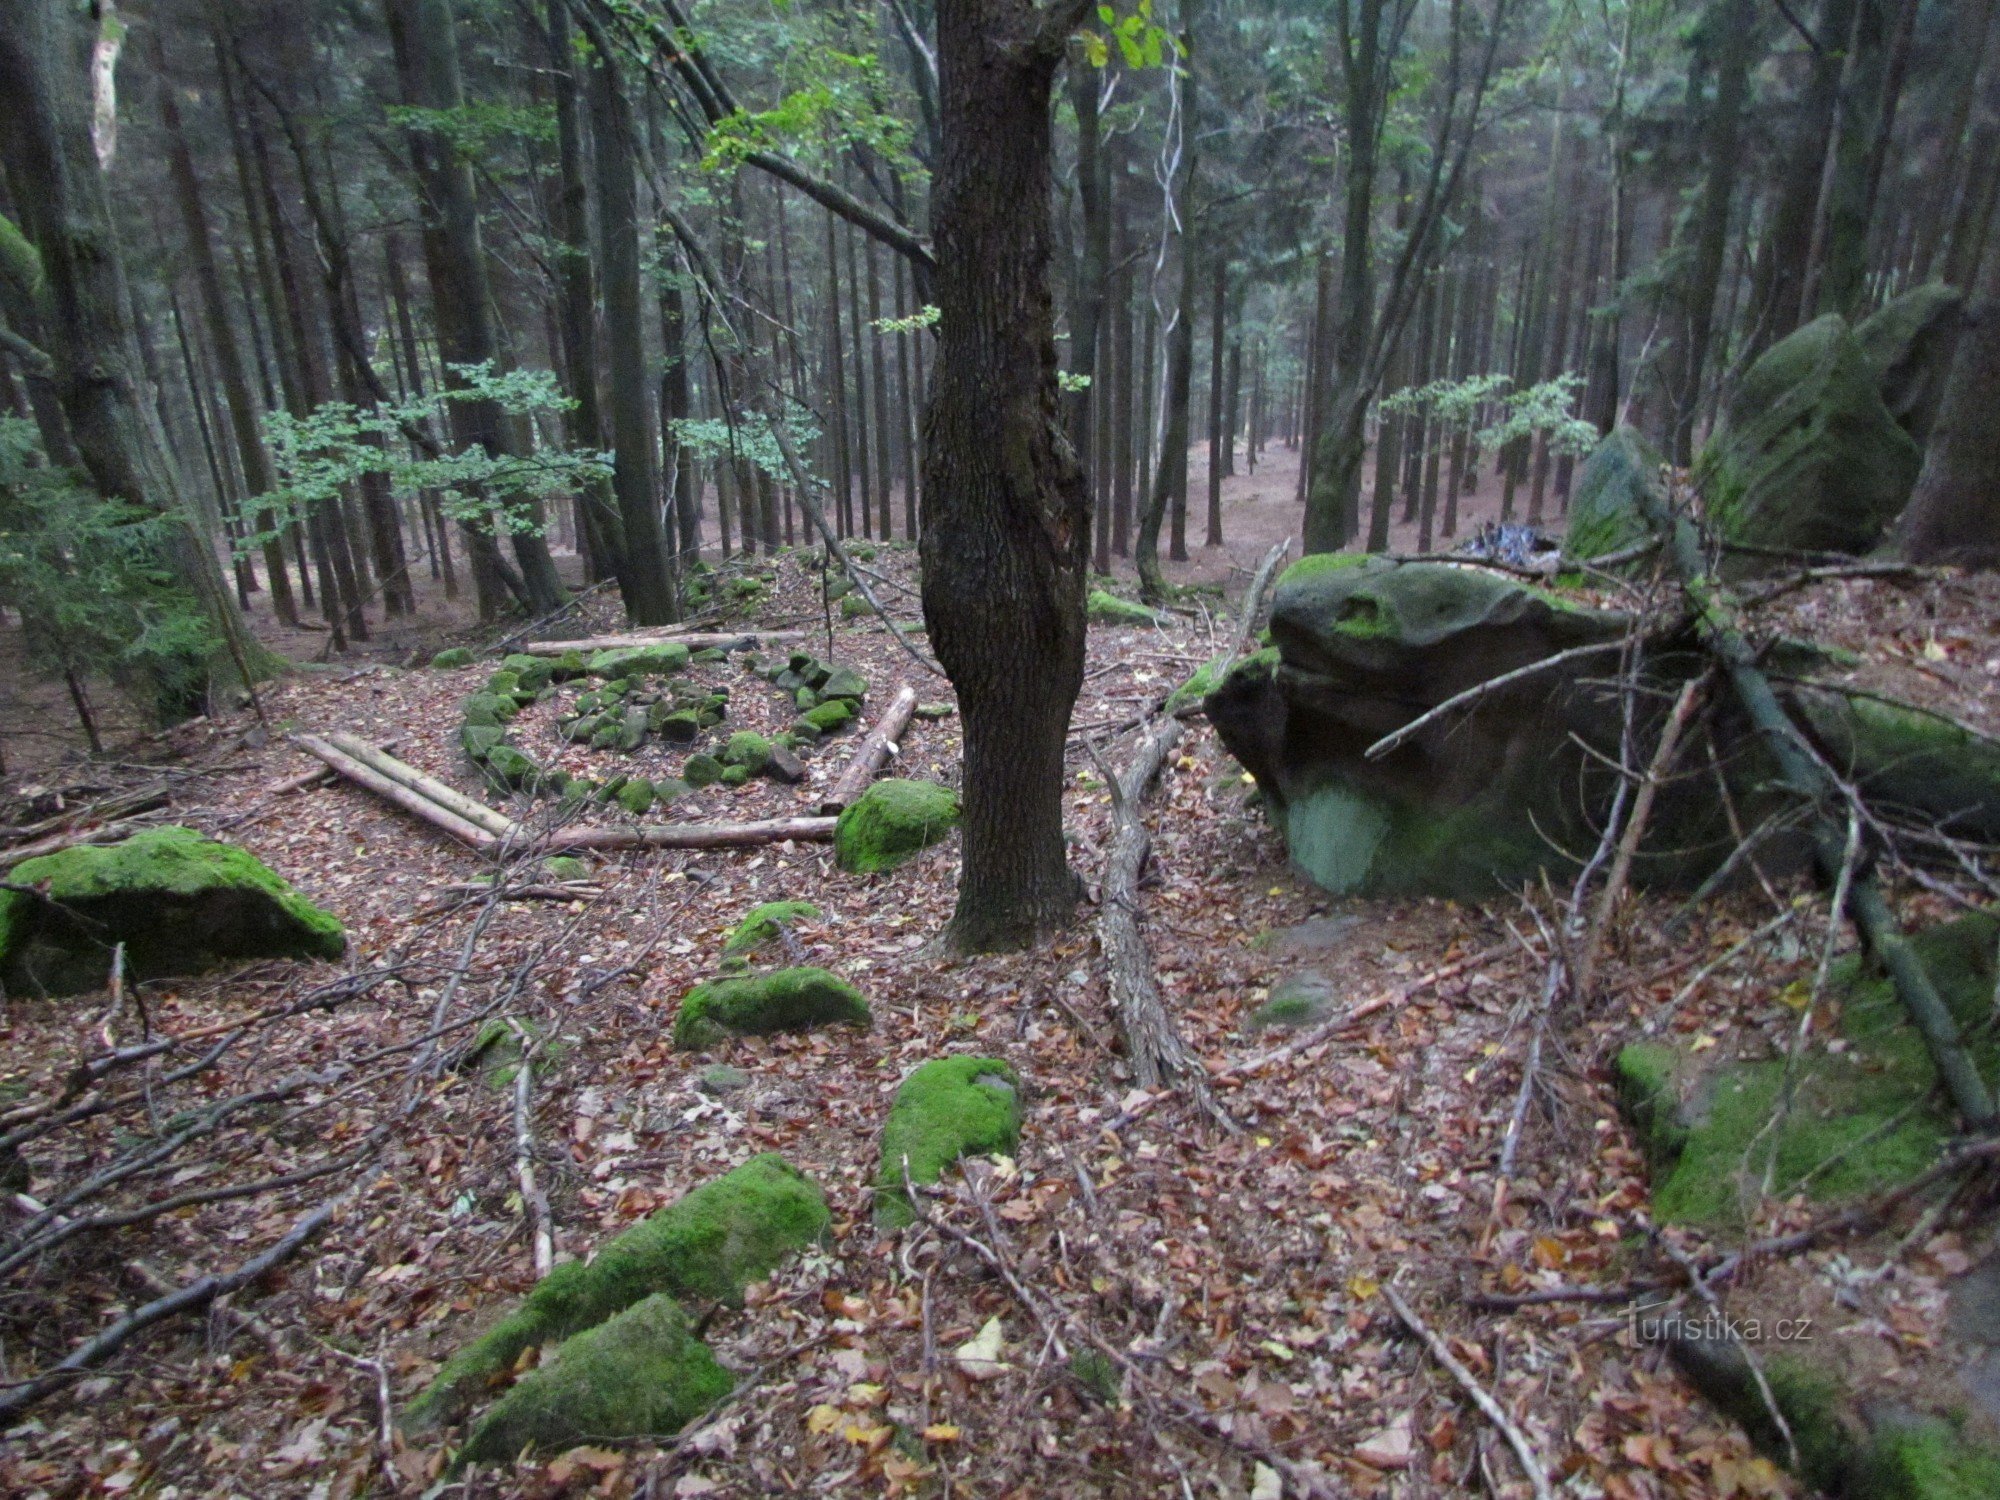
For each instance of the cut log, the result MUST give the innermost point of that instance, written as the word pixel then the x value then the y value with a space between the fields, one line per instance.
pixel 472 810
pixel 694 640
pixel 310 778
pixel 411 801
pixel 692 835
pixel 873 750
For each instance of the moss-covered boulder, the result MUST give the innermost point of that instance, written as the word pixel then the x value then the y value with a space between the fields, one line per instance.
pixel 489 709
pixel 178 901
pixel 478 740
pixel 801 999
pixel 1105 608
pixel 947 1108
pixel 639 661
pixel 451 658
pixel 1471 804
pixel 854 606
pixel 830 717
pixel 514 769
pixel 892 820
pixel 764 923
pixel 1849 1448
pixel 701 770
pixel 842 682
pixel 1206 679
pixel 1862 1118
pixel 533 672
pixel 643 1374
pixel 1909 343
pixel 706 1246
pixel 1605 513
pixel 635 796
pixel 1809 458
pixel 748 749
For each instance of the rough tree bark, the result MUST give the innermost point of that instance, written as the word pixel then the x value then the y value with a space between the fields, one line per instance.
pixel 1006 511
pixel 1954 514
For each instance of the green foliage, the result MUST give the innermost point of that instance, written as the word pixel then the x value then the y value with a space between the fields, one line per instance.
pixel 338 443
pixel 87 577
pixel 478 127
pixel 748 436
pixel 924 317
pixel 1142 42
pixel 1548 408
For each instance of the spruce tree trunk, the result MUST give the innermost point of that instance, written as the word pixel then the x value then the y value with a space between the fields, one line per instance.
pixel 58 189
pixel 1006 520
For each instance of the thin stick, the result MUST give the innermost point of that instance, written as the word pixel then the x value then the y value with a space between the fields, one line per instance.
pixel 534 1203
pixel 1472 694
pixel 693 835
pixel 1516 1439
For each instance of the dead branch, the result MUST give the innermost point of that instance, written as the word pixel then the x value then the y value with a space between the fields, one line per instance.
pixel 879 745
pixel 1441 1352
pixel 726 640
pixel 534 1203
pixel 1474 693
pixel 200 1293
pixel 1716 618
pixel 693 835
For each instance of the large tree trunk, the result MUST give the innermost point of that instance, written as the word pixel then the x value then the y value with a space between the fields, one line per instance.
pixel 1006 518
pixel 1954 514
pixel 56 185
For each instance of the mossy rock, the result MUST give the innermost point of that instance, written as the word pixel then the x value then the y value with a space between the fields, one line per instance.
pixel 636 796
pixel 607 735
pixel 831 716
pixel 735 776
pixel 1105 608
pixel 505 684
pixel 452 658
pixel 801 999
pixel 839 588
pixel 569 666
pixel 534 672
pixel 489 709
pixel 477 740
pixel 947 1108
pixel 668 789
pixel 1909 342
pixel 805 700
pixel 892 820
pixel 680 726
pixel 1302 999
pixel 566 867
pixel 1606 512
pixel 745 588
pixel 842 682
pixel 639 661
pixel 513 769
pixel 805 732
pixel 747 749
pixel 1207 677
pixel 1862 1119
pixel 707 1246
pixel 178 901
pixel 854 606
pixel 763 924
pixel 701 770
pixel 643 1374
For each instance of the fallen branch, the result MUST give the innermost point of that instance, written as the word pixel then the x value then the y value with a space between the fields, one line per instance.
pixel 102 1346
pixel 692 835
pixel 1716 619
pixel 412 802
pixel 727 640
pixel 872 752
pixel 534 1203
pixel 1516 1439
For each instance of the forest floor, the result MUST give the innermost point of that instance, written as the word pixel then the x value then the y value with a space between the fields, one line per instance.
pixel 1240 1270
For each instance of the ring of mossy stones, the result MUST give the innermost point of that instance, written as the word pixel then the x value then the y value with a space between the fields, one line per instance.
pixel 828 699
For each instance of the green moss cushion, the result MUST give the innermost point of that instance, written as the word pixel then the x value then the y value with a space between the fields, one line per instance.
pixel 948 1108
pixel 763 924
pixel 642 1375
pixel 758 1004
pixel 178 901
pixel 452 657
pixel 891 821
pixel 639 661
pixel 708 1246
pixel 1105 608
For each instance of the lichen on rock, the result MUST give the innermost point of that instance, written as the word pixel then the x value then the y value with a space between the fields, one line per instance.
pixel 947 1108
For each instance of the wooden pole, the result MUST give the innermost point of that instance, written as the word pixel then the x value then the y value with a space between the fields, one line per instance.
pixel 411 801
pixel 692 835
pixel 496 823
pixel 875 749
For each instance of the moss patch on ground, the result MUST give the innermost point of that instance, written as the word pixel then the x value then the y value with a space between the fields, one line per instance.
pixel 1105 608
pixel 708 1246
pixel 800 999
pixel 178 901
pixel 643 1374
pixel 948 1108
pixel 762 924
pixel 1861 1119
pixel 891 821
